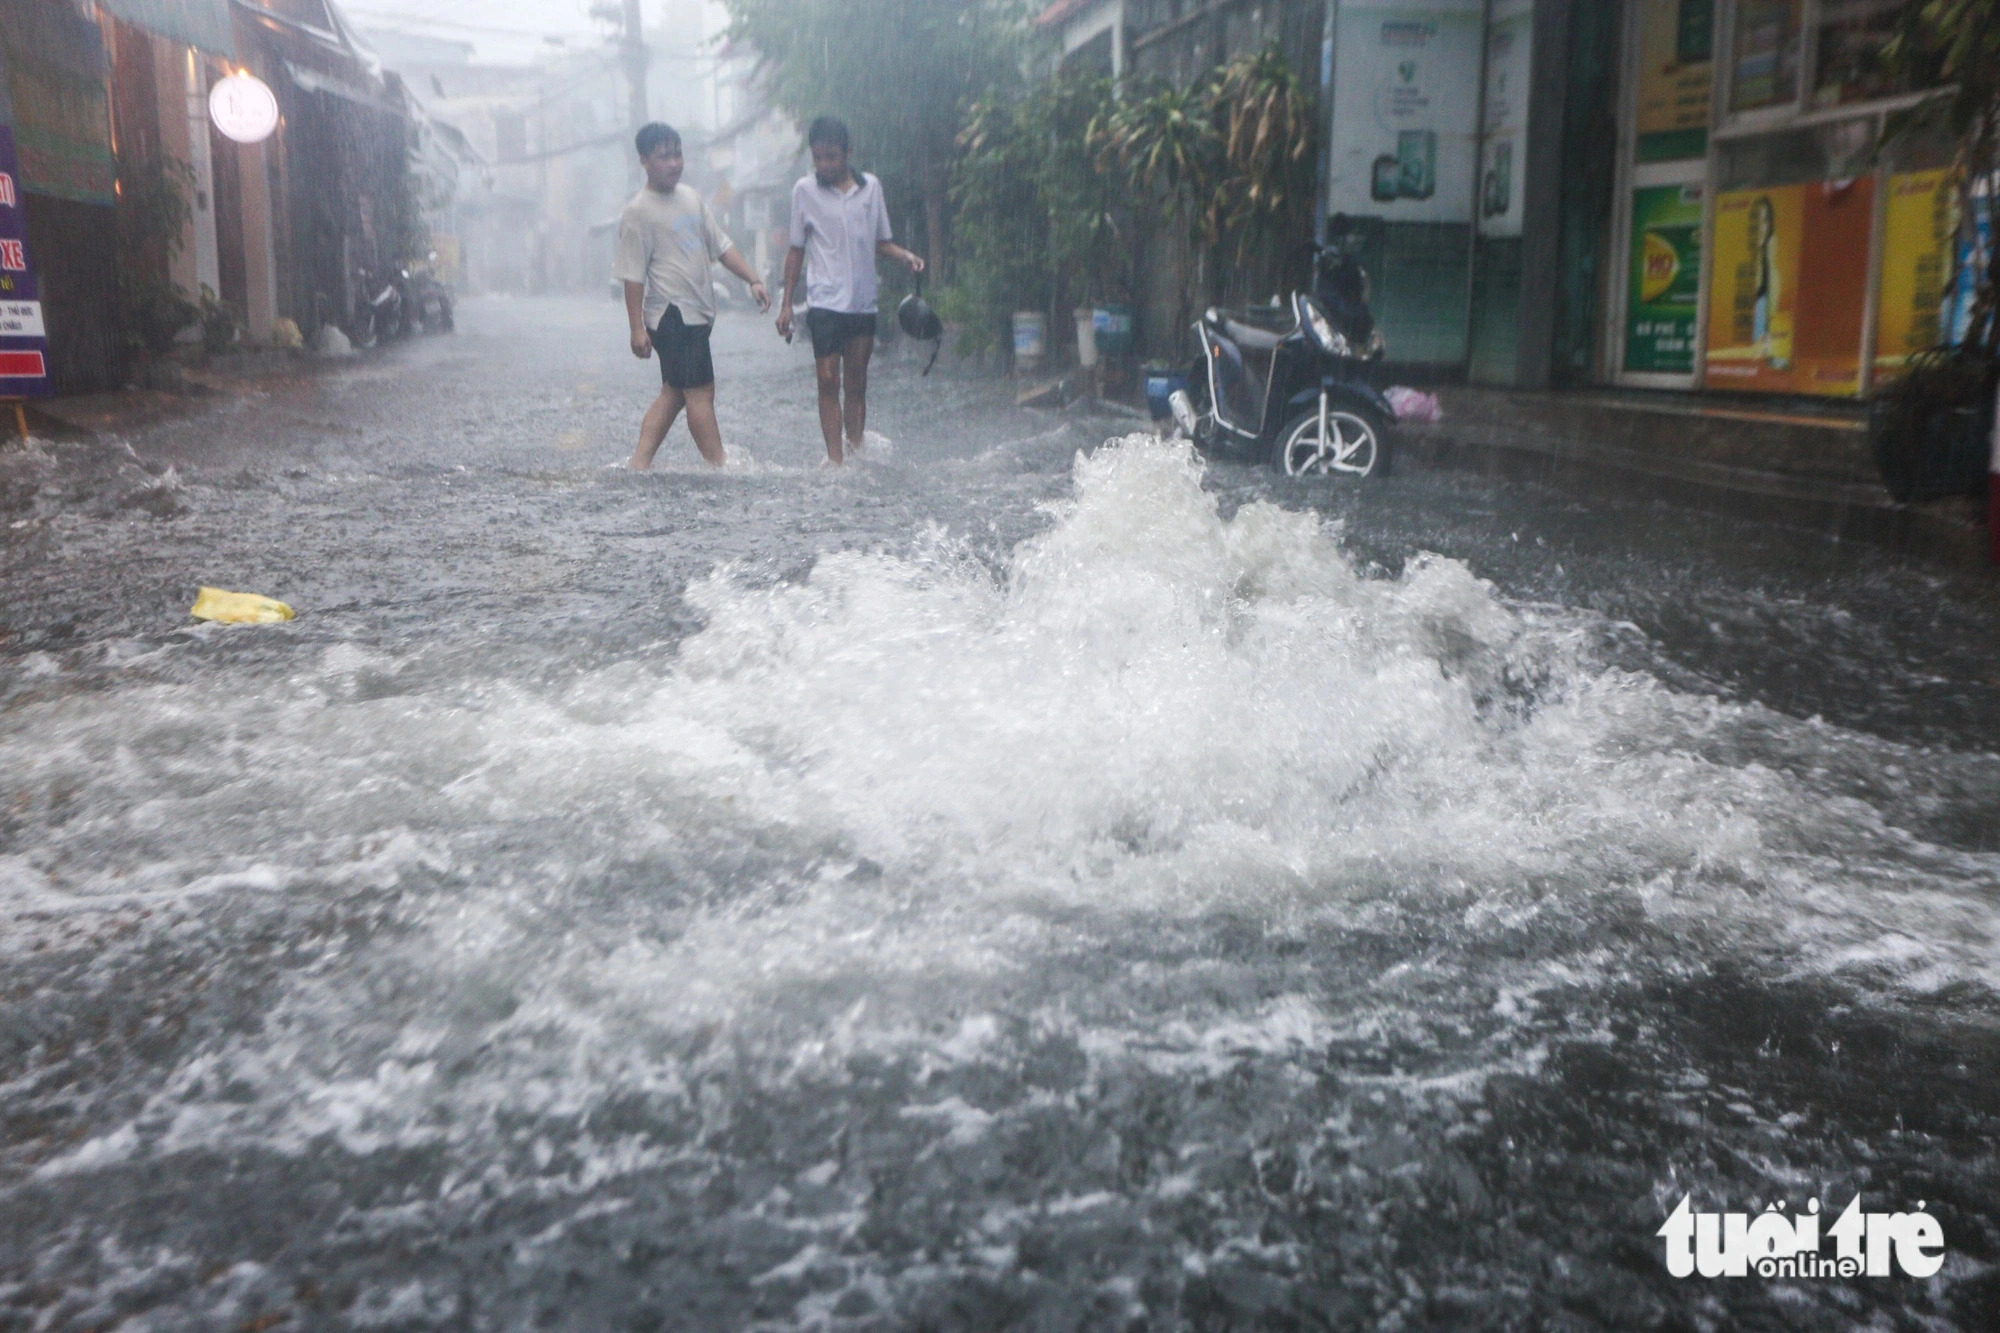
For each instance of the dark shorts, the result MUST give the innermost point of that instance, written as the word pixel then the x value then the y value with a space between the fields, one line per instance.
pixel 832 330
pixel 685 362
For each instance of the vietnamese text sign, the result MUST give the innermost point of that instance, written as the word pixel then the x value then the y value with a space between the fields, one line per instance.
pixel 24 343
pixel 21 319
pixel 1766 329
pixel 1406 109
pixel 1675 69
pixel 1665 288
pixel 1919 233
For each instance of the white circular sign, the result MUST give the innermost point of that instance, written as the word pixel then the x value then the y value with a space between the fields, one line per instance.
pixel 244 108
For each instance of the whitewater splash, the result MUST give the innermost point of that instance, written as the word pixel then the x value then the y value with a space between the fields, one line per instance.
pixel 1155 709
pixel 911 808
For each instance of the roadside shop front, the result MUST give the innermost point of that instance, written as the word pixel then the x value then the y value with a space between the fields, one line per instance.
pixel 1777 234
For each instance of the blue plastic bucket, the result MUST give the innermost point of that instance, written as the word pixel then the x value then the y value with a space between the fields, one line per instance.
pixel 1160 383
pixel 1113 326
pixel 1030 337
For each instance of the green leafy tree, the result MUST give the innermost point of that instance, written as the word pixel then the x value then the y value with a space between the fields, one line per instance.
pixel 1087 208
pixel 153 216
pixel 1038 223
pixel 899 72
pixel 999 229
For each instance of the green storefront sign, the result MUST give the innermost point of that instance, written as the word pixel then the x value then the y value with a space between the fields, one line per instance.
pixel 1666 279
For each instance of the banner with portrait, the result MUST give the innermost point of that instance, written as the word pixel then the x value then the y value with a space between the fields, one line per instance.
pixel 1919 233
pixel 1767 330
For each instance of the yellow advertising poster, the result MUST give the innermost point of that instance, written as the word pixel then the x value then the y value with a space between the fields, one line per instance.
pixel 1675 41
pixel 1753 285
pixel 1767 330
pixel 1920 227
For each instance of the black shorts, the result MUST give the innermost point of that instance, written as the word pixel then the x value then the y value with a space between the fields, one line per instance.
pixel 832 330
pixel 685 362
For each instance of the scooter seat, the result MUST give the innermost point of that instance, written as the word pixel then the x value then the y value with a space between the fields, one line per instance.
pixel 1251 338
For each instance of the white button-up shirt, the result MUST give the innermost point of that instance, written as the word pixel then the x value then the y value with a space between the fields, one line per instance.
pixel 839 233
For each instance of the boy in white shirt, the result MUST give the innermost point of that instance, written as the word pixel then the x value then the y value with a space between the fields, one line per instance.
pixel 840 223
pixel 667 240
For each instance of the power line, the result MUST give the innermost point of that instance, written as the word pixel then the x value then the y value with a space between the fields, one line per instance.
pixel 616 136
pixel 393 18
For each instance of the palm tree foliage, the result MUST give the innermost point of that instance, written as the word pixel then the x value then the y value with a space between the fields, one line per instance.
pixel 1163 140
pixel 1230 154
pixel 1267 122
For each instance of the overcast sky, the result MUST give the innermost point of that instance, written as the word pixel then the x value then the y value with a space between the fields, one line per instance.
pixel 501 31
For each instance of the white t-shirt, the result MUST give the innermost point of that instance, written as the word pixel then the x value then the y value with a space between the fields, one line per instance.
pixel 839 232
pixel 668 242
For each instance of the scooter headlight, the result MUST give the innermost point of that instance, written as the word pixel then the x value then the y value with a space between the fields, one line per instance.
pixel 1330 339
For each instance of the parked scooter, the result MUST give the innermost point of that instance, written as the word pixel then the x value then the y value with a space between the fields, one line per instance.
pixel 378 310
pixel 427 304
pixel 1293 384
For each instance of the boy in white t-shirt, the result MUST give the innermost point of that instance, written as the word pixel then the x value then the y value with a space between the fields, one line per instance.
pixel 667 240
pixel 840 223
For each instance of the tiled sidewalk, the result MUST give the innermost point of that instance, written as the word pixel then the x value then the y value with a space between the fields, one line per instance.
pixel 1801 465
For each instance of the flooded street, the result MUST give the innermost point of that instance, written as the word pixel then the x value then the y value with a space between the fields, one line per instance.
pixel 986 887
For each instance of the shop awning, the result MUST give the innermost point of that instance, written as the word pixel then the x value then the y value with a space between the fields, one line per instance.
pixel 202 23
pixel 312 81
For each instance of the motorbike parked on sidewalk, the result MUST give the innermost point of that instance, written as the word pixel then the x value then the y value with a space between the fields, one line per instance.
pixel 1293 384
pixel 378 310
pixel 427 306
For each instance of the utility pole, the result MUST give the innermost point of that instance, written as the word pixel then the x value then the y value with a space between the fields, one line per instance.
pixel 635 65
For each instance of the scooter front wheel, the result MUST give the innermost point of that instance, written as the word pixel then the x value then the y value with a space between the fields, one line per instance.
pixel 1354 445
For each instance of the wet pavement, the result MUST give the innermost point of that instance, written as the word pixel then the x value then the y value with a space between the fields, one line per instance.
pixel 980 888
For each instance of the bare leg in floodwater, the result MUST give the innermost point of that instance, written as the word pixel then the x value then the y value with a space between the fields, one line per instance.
pixel 659 419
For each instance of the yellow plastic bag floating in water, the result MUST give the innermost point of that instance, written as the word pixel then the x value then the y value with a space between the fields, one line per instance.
pixel 238 608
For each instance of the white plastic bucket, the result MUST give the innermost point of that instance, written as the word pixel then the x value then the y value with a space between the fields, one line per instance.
pixel 1086 339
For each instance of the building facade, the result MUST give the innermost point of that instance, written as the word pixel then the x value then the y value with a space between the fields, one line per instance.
pixel 551 142
pixel 1666 194
pixel 1773 236
pixel 141 211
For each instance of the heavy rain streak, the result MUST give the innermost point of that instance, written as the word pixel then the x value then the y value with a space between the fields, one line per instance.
pixel 1051 868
